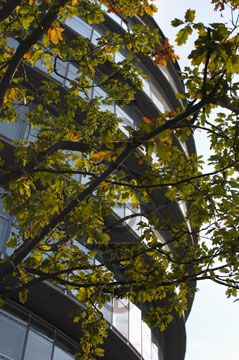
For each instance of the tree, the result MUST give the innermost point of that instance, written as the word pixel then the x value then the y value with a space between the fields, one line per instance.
pixel 53 209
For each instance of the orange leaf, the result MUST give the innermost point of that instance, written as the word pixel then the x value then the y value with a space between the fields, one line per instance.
pixel 107 48
pixel 100 156
pixel 54 34
pixel 146 120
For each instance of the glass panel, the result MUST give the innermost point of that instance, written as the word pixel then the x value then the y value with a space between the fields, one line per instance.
pixel 60 69
pixel 135 326
pixel 12 131
pixel 155 349
pixel 146 87
pixel 79 26
pixel 146 341
pixel 31 133
pixel 120 211
pixel 97 33
pixel 107 311
pixel 119 57
pixel 164 70
pixel 12 334
pixel 99 92
pixel 157 102
pixel 127 120
pixel 115 17
pixel 155 352
pixel 4 227
pixel 121 317
pixel 38 345
pixel 60 354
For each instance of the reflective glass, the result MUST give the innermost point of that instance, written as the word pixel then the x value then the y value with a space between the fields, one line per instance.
pixel 99 92
pixel 146 341
pixel 155 352
pixel 119 57
pixel 4 230
pixel 97 33
pixel 127 120
pixel 121 317
pixel 115 17
pixel 60 354
pixel 146 87
pixel 107 311
pixel 135 326
pixel 164 70
pixel 79 26
pixel 61 67
pixel 38 345
pixel 157 102
pixel 12 335
pixel 12 131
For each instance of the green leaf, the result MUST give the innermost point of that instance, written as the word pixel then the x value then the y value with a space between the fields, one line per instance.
pixel 189 15
pixel 176 22
pixel 182 35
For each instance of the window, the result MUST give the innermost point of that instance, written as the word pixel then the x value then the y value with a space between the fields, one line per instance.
pixel 135 326
pixel 39 345
pixel 79 26
pixel 121 316
pixel 12 335
pixel 146 341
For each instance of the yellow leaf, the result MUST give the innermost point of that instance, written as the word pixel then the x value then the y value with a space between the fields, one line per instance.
pixel 100 156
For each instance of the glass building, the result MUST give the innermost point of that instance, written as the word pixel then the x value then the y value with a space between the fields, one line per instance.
pixel 42 329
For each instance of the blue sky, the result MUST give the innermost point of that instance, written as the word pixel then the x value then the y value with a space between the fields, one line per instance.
pixel 213 325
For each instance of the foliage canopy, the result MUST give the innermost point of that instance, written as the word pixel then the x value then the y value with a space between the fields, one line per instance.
pixel 62 185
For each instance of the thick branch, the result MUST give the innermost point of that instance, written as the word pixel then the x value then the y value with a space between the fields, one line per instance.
pixel 26 45
pixel 41 157
pixel 8 8
pixel 225 105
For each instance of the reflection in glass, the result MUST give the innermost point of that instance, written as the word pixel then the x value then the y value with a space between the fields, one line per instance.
pixel 106 311
pixel 79 26
pixel 12 335
pixel 12 131
pixel 146 341
pixel 135 327
pixel 38 345
pixel 60 354
pixel 121 316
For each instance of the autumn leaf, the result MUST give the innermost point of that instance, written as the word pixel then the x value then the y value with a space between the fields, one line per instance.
pixel 146 120
pixel 100 156
pixel 54 34
pixel 107 48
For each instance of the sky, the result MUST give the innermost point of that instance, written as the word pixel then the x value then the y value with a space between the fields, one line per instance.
pixel 213 325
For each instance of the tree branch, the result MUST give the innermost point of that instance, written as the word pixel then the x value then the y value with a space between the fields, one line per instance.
pixel 41 157
pixel 26 45
pixel 8 8
pixel 15 259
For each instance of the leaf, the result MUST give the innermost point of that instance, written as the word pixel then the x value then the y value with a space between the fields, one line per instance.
pixel 146 120
pixel 107 48
pixel 183 34
pixel 101 156
pixel 189 15
pixel 176 22
pixel 81 295
pixel 54 34
pixel 22 295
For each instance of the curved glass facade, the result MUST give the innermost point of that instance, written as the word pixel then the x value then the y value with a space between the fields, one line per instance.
pixel 25 337
pixel 22 335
